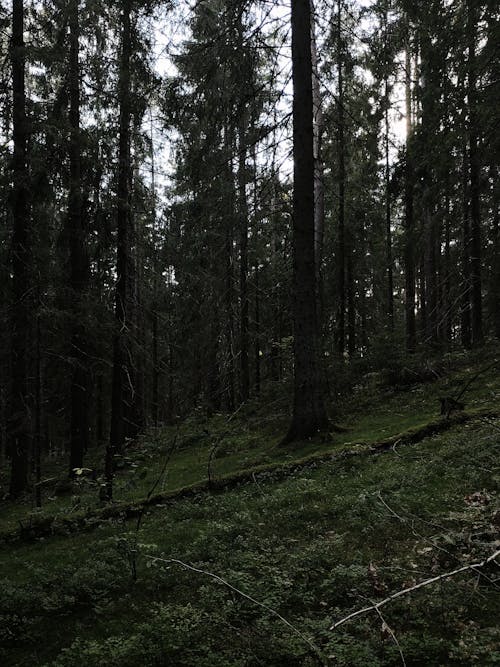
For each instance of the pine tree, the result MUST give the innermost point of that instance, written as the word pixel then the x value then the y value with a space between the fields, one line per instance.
pixel 309 414
pixel 19 427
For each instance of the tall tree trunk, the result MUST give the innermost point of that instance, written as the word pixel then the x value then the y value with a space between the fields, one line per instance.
pixel 341 244
pixel 319 186
pixel 229 269
pixel 228 291
pixel 351 294
pixel 257 324
pixel 409 241
pixel 388 231
pixel 475 167
pixel 37 440
pixel 495 260
pixel 257 331
pixel 309 414
pixel 448 327
pixel 155 402
pixel 135 411
pixel 79 263
pixel 422 286
pixel 431 274
pixel 466 331
pixel 121 376
pixel 19 429
pixel 244 301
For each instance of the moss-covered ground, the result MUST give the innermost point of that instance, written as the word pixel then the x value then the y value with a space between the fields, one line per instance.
pixel 311 546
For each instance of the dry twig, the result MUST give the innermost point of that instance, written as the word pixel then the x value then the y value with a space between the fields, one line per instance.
pixel 215 577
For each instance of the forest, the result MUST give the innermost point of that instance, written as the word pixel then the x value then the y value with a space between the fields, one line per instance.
pixel 249 333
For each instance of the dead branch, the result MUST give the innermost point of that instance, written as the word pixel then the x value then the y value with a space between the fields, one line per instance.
pixel 405 591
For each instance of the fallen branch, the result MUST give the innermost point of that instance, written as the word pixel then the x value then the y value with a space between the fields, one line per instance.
pixel 390 631
pixel 220 580
pixel 405 591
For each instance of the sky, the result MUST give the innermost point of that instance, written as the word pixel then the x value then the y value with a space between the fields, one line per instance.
pixel 169 34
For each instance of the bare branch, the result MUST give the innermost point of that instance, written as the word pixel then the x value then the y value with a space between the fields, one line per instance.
pixel 405 591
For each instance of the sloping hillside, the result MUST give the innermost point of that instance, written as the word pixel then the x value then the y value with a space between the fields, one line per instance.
pixel 257 570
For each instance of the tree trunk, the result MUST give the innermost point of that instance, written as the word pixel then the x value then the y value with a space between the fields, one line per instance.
pixel 79 263
pixel 475 169
pixel 155 401
pixel 37 440
pixel 432 276
pixel 495 260
pixel 257 331
pixel 409 241
pixel 229 269
pixel 388 232
pixel 351 293
pixel 19 429
pixel 319 186
pixel 309 414
pixel 341 245
pixel 121 376
pixel 244 301
pixel 448 328
pixel 466 332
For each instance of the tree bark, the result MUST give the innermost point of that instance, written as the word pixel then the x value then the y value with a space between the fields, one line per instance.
pixel 257 381
pixel 466 331
pixel 341 243
pixel 388 231
pixel 244 301
pixel 309 414
pixel 319 186
pixel 19 428
pixel 495 260
pixel 229 282
pixel 121 376
pixel 79 261
pixel 409 225
pixel 475 170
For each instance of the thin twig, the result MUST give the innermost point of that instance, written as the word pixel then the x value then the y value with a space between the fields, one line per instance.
pixel 387 627
pixel 389 509
pixel 215 577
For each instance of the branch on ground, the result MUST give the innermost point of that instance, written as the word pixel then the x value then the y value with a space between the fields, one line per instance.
pixel 376 607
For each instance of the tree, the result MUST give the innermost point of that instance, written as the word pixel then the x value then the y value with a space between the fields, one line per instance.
pixel 78 258
pixel 475 170
pixel 122 381
pixel 309 413
pixel 19 427
pixel 342 249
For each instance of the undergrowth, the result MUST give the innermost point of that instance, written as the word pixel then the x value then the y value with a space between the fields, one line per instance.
pixel 312 547
pixel 308 547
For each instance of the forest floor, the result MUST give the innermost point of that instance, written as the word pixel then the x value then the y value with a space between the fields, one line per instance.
pixel 299 539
